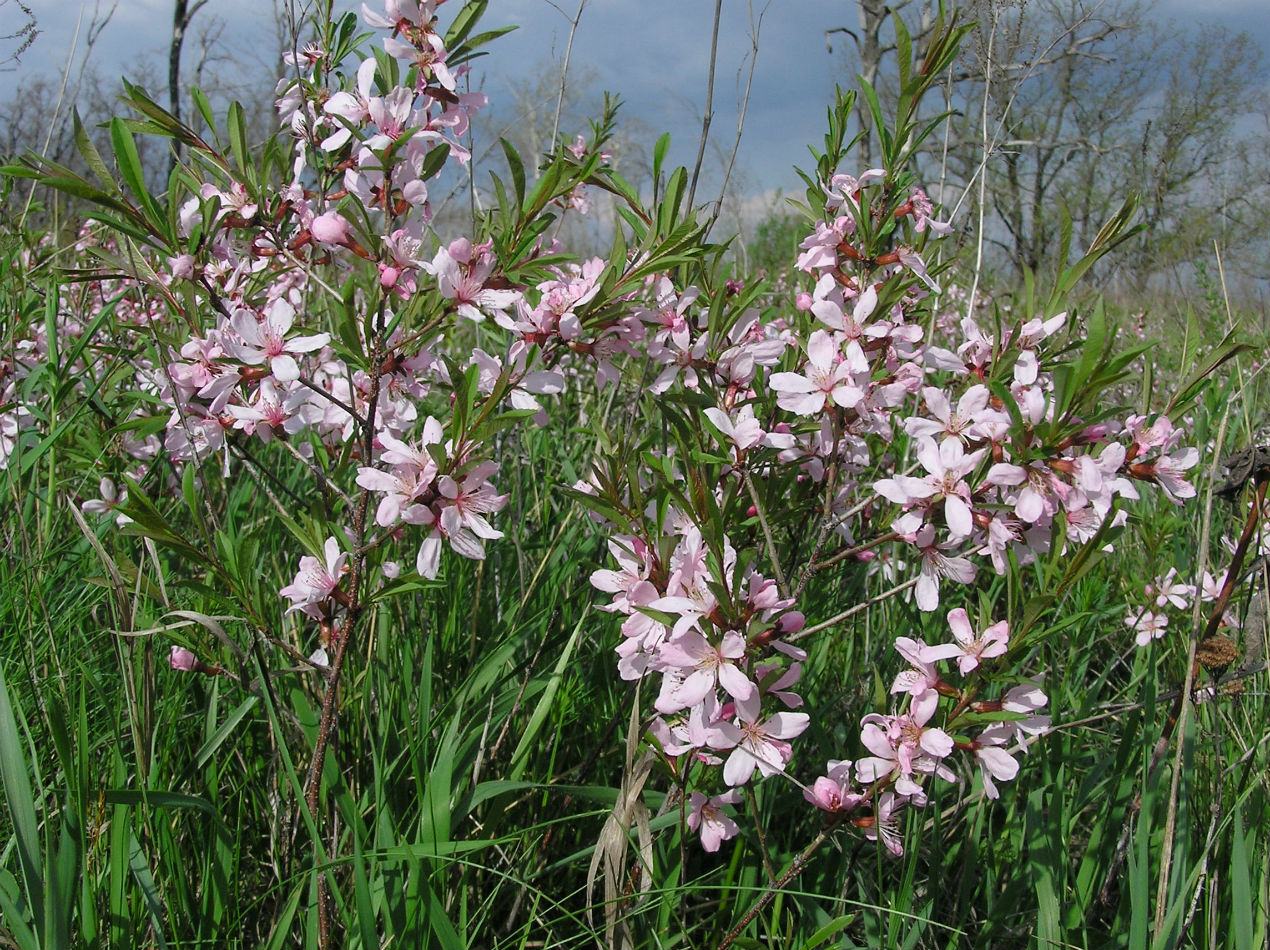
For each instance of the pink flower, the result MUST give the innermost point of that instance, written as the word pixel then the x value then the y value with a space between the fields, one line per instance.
pixel 412 472
pixel 921 676
pixel 465 504
pixel 744 433
pixel 693 667
pixel 111 499
pixel 923 215
pixel 948 422
pixel 832 792
pixel 971 647
pixel 948 465
pixel 696 733
pixel 272 412
pixel 827 377
pixel 903 746
pixel 265 340
pixel 706 816
pixel 1147 626
pixel 354 108
pixel 935 565
pixel 1027 698
pixel 634 560
pixel 993 759
pixel 827 307
pixel 884 824
pixel 182 660
pixel 1168 591
pixel 330 228
pixel 670 317
pixel 759 744
pixel 1170 474
pixel 462 271
pixel 315 582
pixel 457 516
pixel 1210 588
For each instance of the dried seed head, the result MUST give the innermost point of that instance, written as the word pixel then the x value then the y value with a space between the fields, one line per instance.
pixel 1216 652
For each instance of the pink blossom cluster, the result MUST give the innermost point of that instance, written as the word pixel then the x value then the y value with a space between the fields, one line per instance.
pixel 711 635
pixel 976 465
pixel 254 361
pixel 995 467
pixel 907 748
pixel 440 491
pixel 934 455
pixel 1167 596
pixel 382 132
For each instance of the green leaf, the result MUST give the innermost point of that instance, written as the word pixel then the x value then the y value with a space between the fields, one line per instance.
pixel 903 50
pixel 434 161
pixel 1242 902
pixel 128 161
pixel 543 707
pixel 829 931
pixel 464 21
pixel 132 796
pixel 91 156
pixel 517 169
pixel 20 799
pixel 150 523
pixel 403 585
pixel 467 52
pixel 238 135
pixel 140 869
pixel 1190 387
pixel 217 739
pixel 660 148
pixel 204 107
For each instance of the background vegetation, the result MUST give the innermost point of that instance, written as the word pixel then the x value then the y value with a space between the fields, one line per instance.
pixel 481 747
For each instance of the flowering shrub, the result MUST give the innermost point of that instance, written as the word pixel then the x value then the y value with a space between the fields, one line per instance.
pixel 296 318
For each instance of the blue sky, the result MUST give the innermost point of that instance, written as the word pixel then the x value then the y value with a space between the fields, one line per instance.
pixel 652 52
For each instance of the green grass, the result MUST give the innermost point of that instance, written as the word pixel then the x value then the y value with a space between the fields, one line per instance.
pixel 486 784
pixel 481 747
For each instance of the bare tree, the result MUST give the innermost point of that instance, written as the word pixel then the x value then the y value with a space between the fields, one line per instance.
pixel 22 37
pixel 182 14
pixel 874 42
pixel 1065 107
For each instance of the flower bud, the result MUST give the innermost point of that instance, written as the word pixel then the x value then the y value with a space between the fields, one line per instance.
pixel 330 228
pixel 182 659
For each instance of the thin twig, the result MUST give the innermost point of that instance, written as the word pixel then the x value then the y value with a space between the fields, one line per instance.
pixel 851 552
pixel 564 71
pixel 852 611
pixel 755 30
pixel 327 722
pixel 709 107
pixel 309 384
pixel 767 537
pixel 795 868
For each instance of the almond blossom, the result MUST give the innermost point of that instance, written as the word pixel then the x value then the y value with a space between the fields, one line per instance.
pixel 316 582
pixel 972 647
pixel 828 377
pixel 706 816
pixel 264 340
pixel 1146 626
pixel 694 667
pixel 832 792
pixel 994 761
pixel 758 743
pixel 904 746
